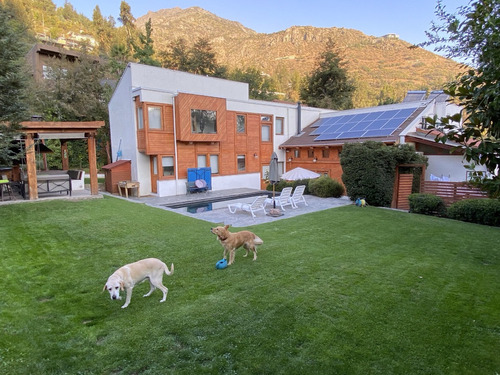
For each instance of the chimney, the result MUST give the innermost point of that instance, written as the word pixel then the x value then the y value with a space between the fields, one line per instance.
pixel 299 118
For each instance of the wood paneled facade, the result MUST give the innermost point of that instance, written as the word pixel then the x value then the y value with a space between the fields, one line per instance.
pixel 175 138
pixel 320 159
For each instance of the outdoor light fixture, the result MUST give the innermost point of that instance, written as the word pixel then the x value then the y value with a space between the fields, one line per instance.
pixel 315 160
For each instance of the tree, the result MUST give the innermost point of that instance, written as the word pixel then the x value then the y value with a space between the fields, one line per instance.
pixel 198 59
pixel 103 30
pixel 369 169
pixel 472 35
pixel 144 51
pixel 128 22
pixel 259 86
pixel 13 82
pixel 74 91
pixel 328 86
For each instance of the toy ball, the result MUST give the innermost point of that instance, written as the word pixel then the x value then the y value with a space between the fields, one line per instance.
pixel 221 264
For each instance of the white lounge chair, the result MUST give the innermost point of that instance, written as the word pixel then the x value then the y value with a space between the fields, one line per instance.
pixel 298 195
pixel 257 205
pixel 283 199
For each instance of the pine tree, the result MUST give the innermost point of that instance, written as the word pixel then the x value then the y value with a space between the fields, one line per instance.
pixel 13 82
pixel 144 51
pixel 329 85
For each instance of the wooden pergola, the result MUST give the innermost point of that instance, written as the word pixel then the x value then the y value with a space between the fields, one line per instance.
pixel 63 131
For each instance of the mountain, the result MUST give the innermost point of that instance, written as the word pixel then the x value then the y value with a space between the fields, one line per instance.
pixel 382 67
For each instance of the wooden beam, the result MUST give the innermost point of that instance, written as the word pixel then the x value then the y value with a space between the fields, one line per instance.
pixel 31 167
pixel 94 187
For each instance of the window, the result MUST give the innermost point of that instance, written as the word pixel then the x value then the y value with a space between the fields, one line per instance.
pixel 140 118
pixel 167 163
pixel 326 153
pixel 310 153
pixel 202 161
pixel 296 153
pixel 214 163
pixel 240 123
pixel 266 133
pixel 154 116
pixel 203 122
pixel 155 166
pixel 241 163
pixel 265 118
pixel 278 126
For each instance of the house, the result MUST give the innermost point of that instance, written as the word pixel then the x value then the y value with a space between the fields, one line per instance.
pixel 41 58
pixel 319 145
pixel 166 121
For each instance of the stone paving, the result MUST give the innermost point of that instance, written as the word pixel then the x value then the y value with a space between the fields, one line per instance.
pixel 219 213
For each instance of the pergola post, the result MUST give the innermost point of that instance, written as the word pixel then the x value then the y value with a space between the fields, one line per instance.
pixel 64 155
pixel 31 166
pixel 94 187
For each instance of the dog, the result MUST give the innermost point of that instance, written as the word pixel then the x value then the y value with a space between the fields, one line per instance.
pixel 126 277
pixel 232 241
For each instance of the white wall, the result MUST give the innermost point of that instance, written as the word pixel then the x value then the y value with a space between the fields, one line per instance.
pixel 450 166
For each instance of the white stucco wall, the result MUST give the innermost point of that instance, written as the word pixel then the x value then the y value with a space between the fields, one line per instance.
pixel 449 166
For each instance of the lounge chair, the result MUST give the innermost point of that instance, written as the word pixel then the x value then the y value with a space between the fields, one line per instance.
pixel 283 199
pixel 298 195
pixel 257 205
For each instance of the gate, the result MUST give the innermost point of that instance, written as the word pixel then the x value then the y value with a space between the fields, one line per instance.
pixel 403 184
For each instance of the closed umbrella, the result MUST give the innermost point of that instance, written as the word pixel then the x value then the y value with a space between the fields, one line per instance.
pixel 274 177
pixel 299 174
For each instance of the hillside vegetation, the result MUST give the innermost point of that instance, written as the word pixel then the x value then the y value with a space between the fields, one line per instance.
pixel 382 67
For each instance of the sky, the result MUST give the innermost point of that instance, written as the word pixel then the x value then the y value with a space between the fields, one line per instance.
pixel 408 19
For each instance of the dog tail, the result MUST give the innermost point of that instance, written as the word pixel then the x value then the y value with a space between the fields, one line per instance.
pixel 258 241
pixel 171 272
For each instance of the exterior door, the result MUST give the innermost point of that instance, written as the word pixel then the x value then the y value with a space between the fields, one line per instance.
pixel 154 173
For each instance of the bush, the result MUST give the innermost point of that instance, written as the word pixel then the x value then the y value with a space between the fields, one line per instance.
pixel 479 211
pixel 369 168
pixel 283 184
pixel 325 186
pixel 427 204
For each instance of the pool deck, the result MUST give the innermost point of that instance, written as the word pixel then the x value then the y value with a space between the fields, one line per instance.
pixel 220 213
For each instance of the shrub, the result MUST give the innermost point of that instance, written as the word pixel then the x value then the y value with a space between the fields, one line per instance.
pixel 283 184
pixel 369 168
pixel 427 204
pixel 479 211
pixel 325 186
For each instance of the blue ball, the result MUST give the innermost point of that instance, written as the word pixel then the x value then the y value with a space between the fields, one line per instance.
pixel 221 264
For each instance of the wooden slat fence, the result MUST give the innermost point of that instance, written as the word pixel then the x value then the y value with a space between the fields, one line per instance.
pixel 452 192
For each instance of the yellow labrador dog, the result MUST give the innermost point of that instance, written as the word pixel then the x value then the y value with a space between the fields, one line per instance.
pixel 127 276
pixel 232 241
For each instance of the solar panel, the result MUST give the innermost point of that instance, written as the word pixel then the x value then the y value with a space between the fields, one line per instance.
pixel 362 125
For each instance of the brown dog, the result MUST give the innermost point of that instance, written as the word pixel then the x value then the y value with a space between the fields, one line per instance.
pixel 232 241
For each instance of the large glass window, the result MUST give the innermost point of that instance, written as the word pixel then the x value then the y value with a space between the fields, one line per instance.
pixel 167 163
pixel 266 133
pixel 240 123
pixel 203 121
pixel 214 163
pixel 278 126
pixel 140 118
pixel 241 163
pixel 154 116
pixel 202 161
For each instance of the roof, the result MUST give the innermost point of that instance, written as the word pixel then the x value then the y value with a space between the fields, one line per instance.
pixel 116 164
pixel 381 124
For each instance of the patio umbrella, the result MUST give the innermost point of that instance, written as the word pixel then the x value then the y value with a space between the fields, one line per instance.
pixel 299 174
pixel 274 177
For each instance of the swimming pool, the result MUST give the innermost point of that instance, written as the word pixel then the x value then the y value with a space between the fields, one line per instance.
pixel 214 203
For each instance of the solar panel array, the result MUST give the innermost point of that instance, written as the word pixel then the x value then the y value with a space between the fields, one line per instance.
pixel 361 125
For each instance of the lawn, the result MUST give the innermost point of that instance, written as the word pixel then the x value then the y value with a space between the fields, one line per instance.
pixel 347 290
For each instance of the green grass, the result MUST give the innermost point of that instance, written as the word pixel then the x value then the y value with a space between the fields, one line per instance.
pixel 344 291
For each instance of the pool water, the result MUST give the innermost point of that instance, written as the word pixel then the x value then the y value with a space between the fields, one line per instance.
pixel 209 205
